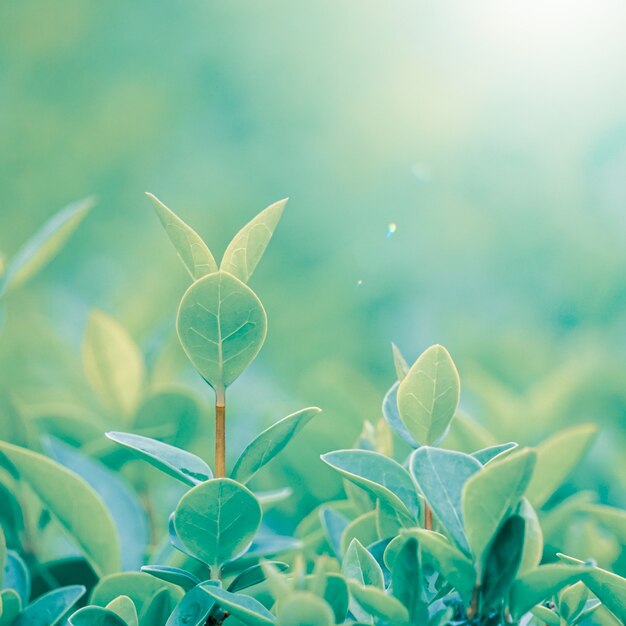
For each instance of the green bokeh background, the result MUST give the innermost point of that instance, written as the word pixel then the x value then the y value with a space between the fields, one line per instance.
pixel 493 134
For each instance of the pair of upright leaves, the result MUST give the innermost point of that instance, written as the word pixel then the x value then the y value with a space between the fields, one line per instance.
pixel 221 322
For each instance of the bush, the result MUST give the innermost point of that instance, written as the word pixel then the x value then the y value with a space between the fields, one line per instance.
pixel 440 536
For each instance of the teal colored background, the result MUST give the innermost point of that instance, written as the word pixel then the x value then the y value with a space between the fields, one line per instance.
pixel 492 134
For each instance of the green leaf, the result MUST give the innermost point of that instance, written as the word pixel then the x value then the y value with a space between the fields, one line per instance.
pixel 407 581
pixel 304 608
pixel 363 528
pixel 222 326
pixel 608 587
pixel 379 604
pixel 556 458
pixel 193 610
pixel 337 596
pixel 263 448
pixel 96 616
pixel 428 396
pixel 178 463
pixel 140 588
pixel 76 506
pixel 43 246
pixel 217 520
pixel 10 606
pixel 572 601
pixel 49 609
pixel 486 455
pixel 437 551
pixel 173 575
pixel 125 608
pixel 490 495
pixel 441 476
pixel 334 524
pixel 244 608
pixel 503 561
pixel 533 538
pixel 399 362
pixel 381 476
pixel 17 576
pixel 392 416
pixel 158 608
pixel 359 565
pixel 247 247
pixel 191 249
pixel 541 584
pixel 254 575
pixel 611 518
pixel 118 497
pixel 546 615
pixel 113 365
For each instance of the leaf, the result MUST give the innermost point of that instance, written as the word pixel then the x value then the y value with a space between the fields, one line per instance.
pixel 125 608
pixel 359 565
pixel 572 601
pixel 362 528
pixel 158 608
pixel 611 518
pixel 486 455
pixel 140 588
pixel 337 596
pixel 10 606
pixel 540 584
pixel 113 364
pixel 247 247
pixel 407 581
pixel 441 476
pixel 305 609
pixel 379 604
pixel 334 524
pixel 43 246
pixel 556 457
pixel 217 521
pixel 399 362
pixel 118 497
pixel 546 615
pixel 533 538
pixel 178 463
pixel 437 551
pixel 428 396
pixel 222 326
pixel 263 448
pixel 191 249
pixel 193 610
pixel 17 576
pixel 503 561
pixel 392 416
pixel 608 587
pixel 173 575
pixel 50 608
pixel 76 506
pixel 254 575
pixel 381 476
pixel 242 607
pixel 96 616
pixel 491 493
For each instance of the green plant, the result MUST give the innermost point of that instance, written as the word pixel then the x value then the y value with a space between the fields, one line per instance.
pixel 425 535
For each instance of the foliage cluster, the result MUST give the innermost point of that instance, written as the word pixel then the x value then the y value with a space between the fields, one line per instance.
pixel 426 534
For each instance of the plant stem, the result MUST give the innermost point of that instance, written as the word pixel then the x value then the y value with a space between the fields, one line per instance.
pixel 220 433
pixel 428 517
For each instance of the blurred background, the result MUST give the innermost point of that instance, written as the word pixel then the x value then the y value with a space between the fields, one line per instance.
pixel 456 174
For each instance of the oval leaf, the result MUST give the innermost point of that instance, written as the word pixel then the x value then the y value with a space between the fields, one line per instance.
pixel 269 443
pixel 50 608
pixel 428 396
pixel 217 521
pixel 381 476
pixel 392 416
pixel 441 476
pixel 243 607
pixel 247 247
pixel 491 493
pixel 222 326
pixel 191 249
pixel 113 364
pixel 178 463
